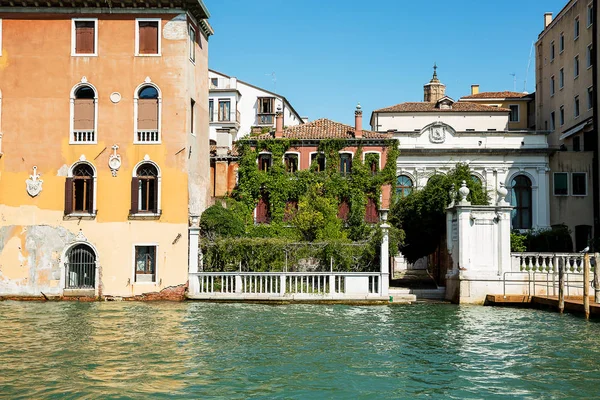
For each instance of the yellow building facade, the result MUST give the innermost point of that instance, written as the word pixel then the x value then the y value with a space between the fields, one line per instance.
pixel 104 138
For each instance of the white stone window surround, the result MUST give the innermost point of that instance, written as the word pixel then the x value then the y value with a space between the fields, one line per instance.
pixel 73 39
pixel 147 160
pixel 351 159
pixel 83 83
pixel 137 37
pixel 136 97
pixel 586 184
pixel 297 154
pixel 144 244
pixel 372 152
pixel 65 256
pixel 261 153
pixel 82 160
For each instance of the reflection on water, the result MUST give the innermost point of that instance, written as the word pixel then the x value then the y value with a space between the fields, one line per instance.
pixel 200 350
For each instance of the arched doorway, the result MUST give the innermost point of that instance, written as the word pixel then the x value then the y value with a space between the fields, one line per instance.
pixel 80 267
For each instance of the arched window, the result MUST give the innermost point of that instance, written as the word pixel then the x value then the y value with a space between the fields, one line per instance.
pixel 345 164
pixel 521 200
pixel 475 179
pixel 147 103
pixel 80 268
pixel 80 197
pixel 145 189
pixel 404 186
pixel 84 112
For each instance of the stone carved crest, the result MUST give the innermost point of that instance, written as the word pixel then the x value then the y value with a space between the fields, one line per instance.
pixel 437 132
pixel 34 183
pixel 114 161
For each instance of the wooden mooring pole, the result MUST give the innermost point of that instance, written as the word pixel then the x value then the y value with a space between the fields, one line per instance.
pixel 596 278
pixel 586 285
pixel 561 285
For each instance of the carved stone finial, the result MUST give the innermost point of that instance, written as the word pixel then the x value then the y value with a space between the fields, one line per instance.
pixel 358 110
pixel 147 80
pixel 146 157
pixel 114 160
pixel 82 158
pixel 83 79
pixel 34 183
pixel 502 193
pixel 464 191
pixel 80 237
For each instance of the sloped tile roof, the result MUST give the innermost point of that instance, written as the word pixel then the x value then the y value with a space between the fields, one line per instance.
pixel 431 107
pixel 496 95
pixel 324 129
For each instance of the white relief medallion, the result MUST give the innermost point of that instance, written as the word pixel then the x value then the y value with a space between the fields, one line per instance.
pixel 34 183
pixel 114 161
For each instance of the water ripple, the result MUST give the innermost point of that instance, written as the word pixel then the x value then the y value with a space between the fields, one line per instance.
pixel 200 350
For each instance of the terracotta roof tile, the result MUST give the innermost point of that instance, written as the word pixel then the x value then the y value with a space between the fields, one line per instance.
pixel 431 107
pixel 496 95
pixel 324 129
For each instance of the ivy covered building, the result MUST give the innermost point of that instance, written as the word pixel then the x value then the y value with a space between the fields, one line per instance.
pixel 272 171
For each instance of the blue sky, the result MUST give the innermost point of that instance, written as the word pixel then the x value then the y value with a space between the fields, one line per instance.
pixel 328 55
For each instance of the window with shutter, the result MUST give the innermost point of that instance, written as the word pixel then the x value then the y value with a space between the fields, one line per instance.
pixel 148 115
pixel 262 209
pixel 84 115
pixel 79 190
pixel 371 215
pixel 145 190
pixel 148 37
pixel 84 36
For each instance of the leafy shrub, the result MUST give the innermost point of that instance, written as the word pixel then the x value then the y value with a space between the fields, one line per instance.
pixel 220 221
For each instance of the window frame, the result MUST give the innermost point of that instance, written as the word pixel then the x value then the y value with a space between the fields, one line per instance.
pixel 291 153
pixel 589 56
pixel 192 116
pixel 136 97
pixel 552 51
pixel 134 269
pixel 137 37
pixel 561 78
pixel 317 154
pixel 134 174
pixel 561 115
pixel 74 89
pixel 224 100
pixel 552 86
pixel 590 97
pixel 573 184
pixel 576 29
pixel 211 110
pixel 71 176
pixel 518 113
pixel 590 14
pixel 266 155
pixel 351 155
pixel 554 175
pixel 552 121
pixel 192 43
pixel 74 37
pixel 517 208
pixel 396 186
pixel 576 66
pixel 561 43
pixel 576 107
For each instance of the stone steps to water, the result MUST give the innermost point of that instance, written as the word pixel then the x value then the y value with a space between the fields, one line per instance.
pixel 418 294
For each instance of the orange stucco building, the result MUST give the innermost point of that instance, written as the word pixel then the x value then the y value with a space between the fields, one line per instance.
pixel 104 166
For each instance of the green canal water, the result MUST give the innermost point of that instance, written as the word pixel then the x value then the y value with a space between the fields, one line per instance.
pixel 202 350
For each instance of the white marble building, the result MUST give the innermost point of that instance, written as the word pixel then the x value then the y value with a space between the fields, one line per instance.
pixel 236 106
pixel 437 133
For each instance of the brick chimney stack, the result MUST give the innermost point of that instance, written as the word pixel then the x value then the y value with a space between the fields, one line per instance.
pixel 279 123
pixel 474 89
pixel 358 122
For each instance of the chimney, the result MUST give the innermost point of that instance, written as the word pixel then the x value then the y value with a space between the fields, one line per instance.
pixel 279 123
pixel 358 122
pixel 547 19
pixel 474 89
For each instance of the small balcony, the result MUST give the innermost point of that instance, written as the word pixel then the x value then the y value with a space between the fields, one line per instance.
pixel 219 83
pixel 265 119
pixel 147 136
pixel 83 136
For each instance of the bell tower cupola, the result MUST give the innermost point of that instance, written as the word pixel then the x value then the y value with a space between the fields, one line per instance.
pixel 434 90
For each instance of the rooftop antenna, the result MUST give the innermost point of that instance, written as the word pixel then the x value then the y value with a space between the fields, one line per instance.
pixel 514 81
pixel 274 79
pixel 528 65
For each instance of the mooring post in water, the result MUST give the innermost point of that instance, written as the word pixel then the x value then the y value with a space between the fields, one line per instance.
pixel 586 285
pixel 561 285
pixel 596 278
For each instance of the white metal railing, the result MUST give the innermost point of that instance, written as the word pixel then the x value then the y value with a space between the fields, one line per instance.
pixel 83 136
pixel 282 284
pixel 147 136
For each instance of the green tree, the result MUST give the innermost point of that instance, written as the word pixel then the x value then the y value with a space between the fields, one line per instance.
pixel 422 214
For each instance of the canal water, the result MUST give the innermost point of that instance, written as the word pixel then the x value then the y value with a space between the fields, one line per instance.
pixel 199 350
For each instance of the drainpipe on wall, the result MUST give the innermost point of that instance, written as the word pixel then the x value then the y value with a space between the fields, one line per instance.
pixel 596 126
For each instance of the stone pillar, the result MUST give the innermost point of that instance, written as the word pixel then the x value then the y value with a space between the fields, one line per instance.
pixel 193 255
pixel 385 260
